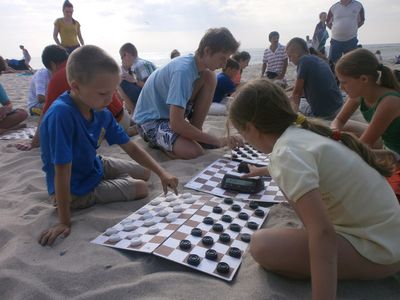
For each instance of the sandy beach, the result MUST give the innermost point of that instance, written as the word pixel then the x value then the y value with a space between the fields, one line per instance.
pixel 76 269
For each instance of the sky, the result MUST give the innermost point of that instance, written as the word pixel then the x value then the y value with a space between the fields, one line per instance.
pixel 162 25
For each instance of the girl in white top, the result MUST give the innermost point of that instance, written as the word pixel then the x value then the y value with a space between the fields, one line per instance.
pixel 336 185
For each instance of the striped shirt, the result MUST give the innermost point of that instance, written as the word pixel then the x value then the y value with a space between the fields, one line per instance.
pixel 143 68
pixel 275 60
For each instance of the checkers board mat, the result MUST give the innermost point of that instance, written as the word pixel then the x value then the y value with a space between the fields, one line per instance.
pixel 19 134
pixel 249 155
pixel 208 234
pixel 209 181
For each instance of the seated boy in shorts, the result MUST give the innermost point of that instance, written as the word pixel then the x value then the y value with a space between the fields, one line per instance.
pixel 175 100
pixel 71 131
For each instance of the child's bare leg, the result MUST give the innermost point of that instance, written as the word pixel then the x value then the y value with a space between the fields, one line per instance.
pixel 285 251
pixel 186 149
pixel 202 96
pixel 13 119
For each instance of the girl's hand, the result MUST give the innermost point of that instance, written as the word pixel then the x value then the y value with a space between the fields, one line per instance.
pixel 169 181
pixel 256 171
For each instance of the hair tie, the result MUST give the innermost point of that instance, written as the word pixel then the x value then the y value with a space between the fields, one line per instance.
pixel 336 135
pixel 380 67
pixel 300 119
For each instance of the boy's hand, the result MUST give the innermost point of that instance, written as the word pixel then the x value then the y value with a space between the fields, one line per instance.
pixel 49 236
pixel 169 181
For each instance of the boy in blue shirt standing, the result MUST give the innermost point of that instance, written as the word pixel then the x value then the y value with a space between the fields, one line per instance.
pixel 176 98
pixel 71 131
pixel 225 87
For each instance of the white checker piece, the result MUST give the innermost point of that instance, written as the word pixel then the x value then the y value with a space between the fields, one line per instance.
pixel 209 181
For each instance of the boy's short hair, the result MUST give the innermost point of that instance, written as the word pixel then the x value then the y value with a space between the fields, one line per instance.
pixel 299 43
pixel 272 34
pixel 129 48
pixel 218 40
pixel 55 54
pixel 231 64
pixel 87 61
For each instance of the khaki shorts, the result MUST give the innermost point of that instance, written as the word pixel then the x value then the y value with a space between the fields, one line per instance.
pixel 118 184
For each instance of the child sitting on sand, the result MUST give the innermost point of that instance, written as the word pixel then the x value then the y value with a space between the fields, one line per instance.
pixel 9 118
pixel 372 87
pixel 37 91
pixel 243 58
pixel 350 214
pixel 175 100
pixel 225 87
pixel 71 131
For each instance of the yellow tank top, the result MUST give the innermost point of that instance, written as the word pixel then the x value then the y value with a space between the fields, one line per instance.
pixel 68 32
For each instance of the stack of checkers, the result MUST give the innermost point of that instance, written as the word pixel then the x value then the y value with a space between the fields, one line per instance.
pixel 148 227
pixel 216 237
pixel 249 155
pixel 206 233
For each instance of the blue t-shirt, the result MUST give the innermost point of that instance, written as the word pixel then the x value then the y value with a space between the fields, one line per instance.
pixel 225 86
pixel 171 84
pixel 67 137
pixel 3 96
pixel 320 87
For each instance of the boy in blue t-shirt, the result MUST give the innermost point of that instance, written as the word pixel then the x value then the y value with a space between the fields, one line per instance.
pixel 225 87
pixel 71 131
pixel 174 102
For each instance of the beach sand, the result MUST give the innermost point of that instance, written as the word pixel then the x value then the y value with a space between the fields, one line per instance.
pixel 73 268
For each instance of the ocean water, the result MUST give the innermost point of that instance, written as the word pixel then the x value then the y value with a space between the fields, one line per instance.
pixel 388 52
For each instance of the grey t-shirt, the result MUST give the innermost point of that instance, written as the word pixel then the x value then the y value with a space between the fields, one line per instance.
pixel 320 87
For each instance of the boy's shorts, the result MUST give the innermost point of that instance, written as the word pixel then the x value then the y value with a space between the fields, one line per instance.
pixel 158 133
pixel 117 184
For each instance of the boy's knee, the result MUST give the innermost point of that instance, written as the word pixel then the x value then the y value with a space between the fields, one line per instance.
pixel 22 114
pixel 141 189
pixel 146 174
pixel 192 152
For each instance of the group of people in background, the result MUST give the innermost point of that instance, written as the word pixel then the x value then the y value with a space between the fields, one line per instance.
pixel 334 179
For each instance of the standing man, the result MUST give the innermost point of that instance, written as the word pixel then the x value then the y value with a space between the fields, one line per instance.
pixel 344 19
pixel 315 81
pixel 275 60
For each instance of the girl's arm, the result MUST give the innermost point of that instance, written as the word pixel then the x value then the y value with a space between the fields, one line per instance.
pixel 145 160
pixel 62 181
pixel 322 245
pixel 349 107
pixel 385 113
pixel 80 36
pixel 55 35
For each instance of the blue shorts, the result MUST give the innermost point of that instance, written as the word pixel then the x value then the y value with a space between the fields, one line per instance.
pixel 158 133
pixel 132 90
pixel 339 48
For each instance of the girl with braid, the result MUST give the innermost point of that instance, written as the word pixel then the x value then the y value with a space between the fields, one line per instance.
pixel 337 187
pixel 373 88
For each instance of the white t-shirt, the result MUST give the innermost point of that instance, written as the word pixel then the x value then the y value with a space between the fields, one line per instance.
pixel 345 20
pixel 358 200
pixel 38 86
